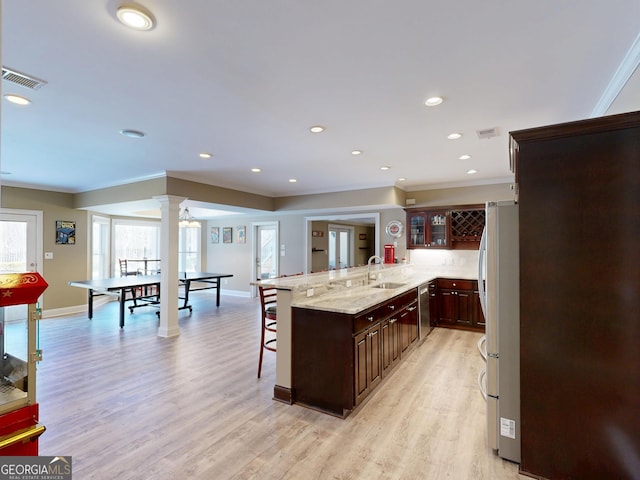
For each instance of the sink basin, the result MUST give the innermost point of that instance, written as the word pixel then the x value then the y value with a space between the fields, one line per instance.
pixel 389 285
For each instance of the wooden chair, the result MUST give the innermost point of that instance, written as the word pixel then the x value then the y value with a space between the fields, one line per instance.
pixel 124 271
pixel 269 322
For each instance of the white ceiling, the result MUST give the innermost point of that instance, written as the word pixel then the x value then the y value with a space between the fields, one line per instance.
pixel 245 79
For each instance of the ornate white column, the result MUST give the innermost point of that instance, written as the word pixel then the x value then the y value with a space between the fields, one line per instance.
pixel 170 211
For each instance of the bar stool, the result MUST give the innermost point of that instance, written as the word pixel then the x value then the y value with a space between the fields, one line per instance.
pixel 269 322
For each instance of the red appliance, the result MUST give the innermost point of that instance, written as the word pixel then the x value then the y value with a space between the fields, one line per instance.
pixel 389 253
pixel 19 353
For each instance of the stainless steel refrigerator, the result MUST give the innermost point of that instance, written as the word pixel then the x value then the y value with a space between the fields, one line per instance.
pixel 498 285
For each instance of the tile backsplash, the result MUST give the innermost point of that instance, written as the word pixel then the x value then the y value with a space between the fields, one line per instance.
pixel 463 261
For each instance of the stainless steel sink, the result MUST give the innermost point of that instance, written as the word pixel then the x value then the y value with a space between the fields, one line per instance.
pixel 388 285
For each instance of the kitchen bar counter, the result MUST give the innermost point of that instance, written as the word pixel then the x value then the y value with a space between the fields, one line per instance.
pixel 341 291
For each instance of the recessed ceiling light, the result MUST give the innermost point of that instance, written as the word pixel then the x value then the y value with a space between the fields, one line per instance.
pixel 17 99
pixel 135 16
pixel 454 136
pixel 316 129
pixel 205 155
pixel 132 133
pixel 356 152
pixel 256 170
pixel 433 101
pixel 292 180
pixel 464 157
pixel 402 179
pixel 472 171
pixel 385 168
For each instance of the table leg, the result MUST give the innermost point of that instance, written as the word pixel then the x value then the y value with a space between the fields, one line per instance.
pixel 217 292
pixel 122 301
pixel 187 287
pixel 90 303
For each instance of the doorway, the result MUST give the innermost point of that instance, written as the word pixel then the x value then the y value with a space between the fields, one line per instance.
pixel 340 246
pixel 265 250
pixel 20 248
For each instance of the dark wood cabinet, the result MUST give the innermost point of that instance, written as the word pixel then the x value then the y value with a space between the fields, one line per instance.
pixel 579 343
pixel 428 229
pixel 457 227
pixel 390 331
pixel 457 304
pixel 339 359
pixel 408 319
pixel 368 361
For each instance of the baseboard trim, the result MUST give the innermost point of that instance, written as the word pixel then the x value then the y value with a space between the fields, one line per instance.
pixel 76 309
pixel 283 394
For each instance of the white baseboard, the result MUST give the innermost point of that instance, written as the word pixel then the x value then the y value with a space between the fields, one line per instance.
pixel 76 309
pixel 98 301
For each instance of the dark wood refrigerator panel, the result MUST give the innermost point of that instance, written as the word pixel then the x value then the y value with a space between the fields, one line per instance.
pixel 579 197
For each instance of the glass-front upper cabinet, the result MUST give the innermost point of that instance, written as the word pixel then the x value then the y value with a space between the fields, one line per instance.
pixel 416 230
pixel 438 230
pixel 428 229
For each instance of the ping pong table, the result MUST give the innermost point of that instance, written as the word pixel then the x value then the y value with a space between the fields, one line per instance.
pixel 145 289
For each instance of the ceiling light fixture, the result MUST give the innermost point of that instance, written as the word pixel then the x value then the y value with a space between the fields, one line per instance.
pixel 136 17
pixel 132 133
pixel 454 136
pixel 186 220
pixel 316 129
pixel 17 99
pixel 433 101
pixel 472 172
pixel 356 152
pixel 385 168
pixel 292 180
pixel 205 155
pixel 464 157
pixel 402 179
pixel 256 170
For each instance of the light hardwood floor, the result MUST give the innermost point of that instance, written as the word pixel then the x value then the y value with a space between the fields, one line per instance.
pixel 128 404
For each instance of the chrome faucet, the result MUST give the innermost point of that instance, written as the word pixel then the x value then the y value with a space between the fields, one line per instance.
pixel 371 258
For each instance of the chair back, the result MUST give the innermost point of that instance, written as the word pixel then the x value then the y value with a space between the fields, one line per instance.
pixel 268 297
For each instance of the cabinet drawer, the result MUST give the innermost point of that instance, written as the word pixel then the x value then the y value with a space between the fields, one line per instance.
pixel 453 284
pixel 362 322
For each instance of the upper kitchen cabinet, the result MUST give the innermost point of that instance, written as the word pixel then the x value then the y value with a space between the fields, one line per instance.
pixel 428 229
pixel 457 227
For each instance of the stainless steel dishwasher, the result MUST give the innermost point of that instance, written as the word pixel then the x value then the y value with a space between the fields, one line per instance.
pixel 425 293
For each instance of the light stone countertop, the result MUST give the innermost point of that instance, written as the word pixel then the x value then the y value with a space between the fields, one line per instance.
pixel 346 290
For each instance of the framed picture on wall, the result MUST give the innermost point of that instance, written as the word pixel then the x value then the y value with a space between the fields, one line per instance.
pixel 65 232
pixel 242 234
pixel 214 234
pixel 227 233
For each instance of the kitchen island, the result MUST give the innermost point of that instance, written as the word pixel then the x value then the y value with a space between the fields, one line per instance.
pixel 340 332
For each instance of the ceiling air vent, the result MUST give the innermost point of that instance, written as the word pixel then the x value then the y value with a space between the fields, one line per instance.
pixel 22 79
pixel 488 132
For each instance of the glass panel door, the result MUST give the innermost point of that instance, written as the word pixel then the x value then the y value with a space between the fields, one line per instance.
pixel 267 251
pixel 339 251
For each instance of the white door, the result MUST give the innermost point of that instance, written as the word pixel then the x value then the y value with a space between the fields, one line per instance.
pixel 266 250
pixel 19 251
pixel 339 247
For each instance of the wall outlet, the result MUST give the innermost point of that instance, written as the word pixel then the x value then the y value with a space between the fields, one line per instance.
pixel 309 292
pixel 48 255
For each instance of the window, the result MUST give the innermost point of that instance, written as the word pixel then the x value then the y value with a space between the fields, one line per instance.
pixel 100 242
pixel 189 249
pixel 135 240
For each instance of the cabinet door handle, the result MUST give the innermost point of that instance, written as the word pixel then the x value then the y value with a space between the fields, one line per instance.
pixel 392 307
pixel 370 318
pixel 411 309
pixel 393 320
